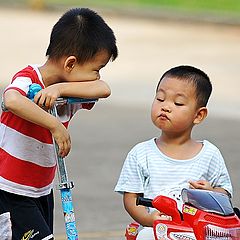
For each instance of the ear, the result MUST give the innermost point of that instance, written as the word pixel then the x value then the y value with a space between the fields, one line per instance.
pixel 69 63
pixel 201 114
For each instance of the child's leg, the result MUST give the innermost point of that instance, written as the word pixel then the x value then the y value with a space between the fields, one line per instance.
pixel 146 234
pixel 30 217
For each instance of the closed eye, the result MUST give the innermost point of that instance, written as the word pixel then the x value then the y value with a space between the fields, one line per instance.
pixel 160 99
pixel 179 104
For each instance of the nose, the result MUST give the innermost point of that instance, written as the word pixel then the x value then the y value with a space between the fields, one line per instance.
pixel 166 109
pixel 98 76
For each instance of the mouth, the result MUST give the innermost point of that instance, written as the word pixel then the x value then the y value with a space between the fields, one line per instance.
pixel 163 116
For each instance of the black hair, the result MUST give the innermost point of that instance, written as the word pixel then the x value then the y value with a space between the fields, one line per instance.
pixel 197 77
pixel 82 33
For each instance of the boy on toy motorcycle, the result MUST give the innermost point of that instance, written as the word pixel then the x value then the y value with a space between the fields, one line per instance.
pixel 166 164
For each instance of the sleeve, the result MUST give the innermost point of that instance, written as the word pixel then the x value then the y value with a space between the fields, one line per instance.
pixel 131 177
pixel 21 84
pixel 219 173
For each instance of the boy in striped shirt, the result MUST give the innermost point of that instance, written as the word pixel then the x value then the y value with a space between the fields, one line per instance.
pixel 166 164
pixel 81 44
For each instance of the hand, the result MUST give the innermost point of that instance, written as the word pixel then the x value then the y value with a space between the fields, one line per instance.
pixel 201 184
pixel 62 138
pixel 46 97
pixel 156 215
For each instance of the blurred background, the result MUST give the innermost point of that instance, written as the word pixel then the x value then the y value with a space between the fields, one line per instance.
pixel 152 36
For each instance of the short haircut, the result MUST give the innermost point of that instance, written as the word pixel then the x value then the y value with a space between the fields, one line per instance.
pixel 82 33
pixel 201 81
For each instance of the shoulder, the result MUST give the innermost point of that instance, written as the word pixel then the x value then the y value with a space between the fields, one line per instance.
pixel 141 151
pixel 25 72
pixel 208 146
pixel 29 72
pixel 142 146
pixel 211 151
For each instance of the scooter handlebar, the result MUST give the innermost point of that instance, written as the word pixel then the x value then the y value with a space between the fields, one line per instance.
pixel 147 202
pixel 35 88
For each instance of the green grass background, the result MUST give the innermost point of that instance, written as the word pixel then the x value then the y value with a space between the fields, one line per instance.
pixel 225 6
pixel 220 7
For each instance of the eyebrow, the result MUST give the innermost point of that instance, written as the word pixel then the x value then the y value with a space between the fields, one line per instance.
pixel 102 66
pixel 177 95
pixel 181 95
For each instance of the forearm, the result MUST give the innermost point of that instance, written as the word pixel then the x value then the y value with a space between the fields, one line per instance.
pixel 221 190
pixel 205 185
pixel 26 109
pixel 90 89
pixel 138 213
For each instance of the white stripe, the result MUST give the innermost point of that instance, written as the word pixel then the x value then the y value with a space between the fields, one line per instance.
pixel 6 226
pixel 26 148
pixel 23 190
pixel 36 68
pixel 48 237
pixel 22 83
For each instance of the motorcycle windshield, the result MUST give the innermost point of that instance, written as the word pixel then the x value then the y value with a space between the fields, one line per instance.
pixel 208 201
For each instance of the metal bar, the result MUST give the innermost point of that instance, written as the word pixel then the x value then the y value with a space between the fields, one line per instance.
pixel 65 189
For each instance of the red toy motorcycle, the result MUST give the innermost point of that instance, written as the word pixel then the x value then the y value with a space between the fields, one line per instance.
pixel 206 215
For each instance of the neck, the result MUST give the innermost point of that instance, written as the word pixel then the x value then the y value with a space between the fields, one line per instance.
pixel 175 139
pixel 51 72
pixel 178 147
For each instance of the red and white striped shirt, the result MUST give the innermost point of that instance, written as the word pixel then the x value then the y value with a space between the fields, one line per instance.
pixel 27 154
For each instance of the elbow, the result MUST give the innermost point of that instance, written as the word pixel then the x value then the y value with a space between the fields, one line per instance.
pixel 10 101
pixel 106 93
pixel 104 89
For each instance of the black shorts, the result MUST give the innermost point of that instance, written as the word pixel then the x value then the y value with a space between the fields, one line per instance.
pixel 30 218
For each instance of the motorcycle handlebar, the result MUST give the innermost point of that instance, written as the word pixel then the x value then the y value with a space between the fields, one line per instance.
pixel 144 201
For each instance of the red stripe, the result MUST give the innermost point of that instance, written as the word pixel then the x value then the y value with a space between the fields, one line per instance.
pixel 27 128
pixel 18 89
pixel 25 173
pixel 30 73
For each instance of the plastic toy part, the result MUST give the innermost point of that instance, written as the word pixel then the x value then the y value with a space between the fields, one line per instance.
pixel 33 90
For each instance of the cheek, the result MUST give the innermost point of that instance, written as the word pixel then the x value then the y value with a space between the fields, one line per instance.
pixel 154 109
pixel 183 117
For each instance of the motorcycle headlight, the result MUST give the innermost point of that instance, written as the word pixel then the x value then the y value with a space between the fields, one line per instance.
pixel 219 233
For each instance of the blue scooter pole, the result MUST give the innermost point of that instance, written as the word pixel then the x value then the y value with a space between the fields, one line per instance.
pixel 64 185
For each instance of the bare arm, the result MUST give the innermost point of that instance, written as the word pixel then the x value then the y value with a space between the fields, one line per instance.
pixel 139 213
pixel 26 109
pixel 89 89
pixel 205 185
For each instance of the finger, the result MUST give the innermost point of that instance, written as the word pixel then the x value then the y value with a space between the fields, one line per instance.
pixel 37 96
pixel 60 149
pixel 201 182
pixel 68 147
pixel 165 217
pixel 65 149
pixel 41 101
pixel 192 184
pixel 47 102
pixel 51 102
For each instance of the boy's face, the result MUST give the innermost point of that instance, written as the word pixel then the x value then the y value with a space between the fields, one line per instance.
pixel 89 71
pixel 174 108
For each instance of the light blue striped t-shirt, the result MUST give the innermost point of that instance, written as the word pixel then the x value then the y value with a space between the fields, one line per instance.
pixel 147 170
